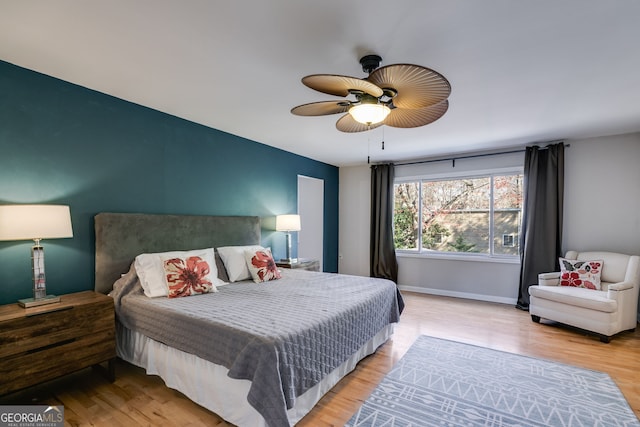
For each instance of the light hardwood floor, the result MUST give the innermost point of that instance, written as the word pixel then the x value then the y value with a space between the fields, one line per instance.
pixel 137 399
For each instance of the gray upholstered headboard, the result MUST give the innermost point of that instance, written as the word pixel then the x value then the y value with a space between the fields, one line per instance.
pixel 120 237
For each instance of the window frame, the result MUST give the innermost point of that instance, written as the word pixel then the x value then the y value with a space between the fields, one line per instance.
pixel 465 256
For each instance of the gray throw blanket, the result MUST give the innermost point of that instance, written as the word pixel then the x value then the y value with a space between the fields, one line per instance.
pixel 284 335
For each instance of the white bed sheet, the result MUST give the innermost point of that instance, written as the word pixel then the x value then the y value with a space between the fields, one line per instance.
pixel 208 385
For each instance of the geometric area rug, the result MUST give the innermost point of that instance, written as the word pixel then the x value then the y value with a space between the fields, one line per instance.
pixel 446 383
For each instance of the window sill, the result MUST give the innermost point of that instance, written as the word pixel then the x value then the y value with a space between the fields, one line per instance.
pixel 454 257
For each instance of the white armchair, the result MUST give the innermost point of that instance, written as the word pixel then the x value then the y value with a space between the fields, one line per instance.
pixel 606 312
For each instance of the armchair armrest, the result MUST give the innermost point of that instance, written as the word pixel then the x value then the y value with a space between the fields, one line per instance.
pixel 549 279
pixel 616 290
pixel 621 286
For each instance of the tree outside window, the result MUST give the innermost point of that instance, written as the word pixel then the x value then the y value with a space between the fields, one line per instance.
pixel 406 222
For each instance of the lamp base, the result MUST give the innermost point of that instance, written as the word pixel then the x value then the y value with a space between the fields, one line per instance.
pixel 32 302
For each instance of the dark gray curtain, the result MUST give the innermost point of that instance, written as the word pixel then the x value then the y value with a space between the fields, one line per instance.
pixel 541 237
pixel 383 261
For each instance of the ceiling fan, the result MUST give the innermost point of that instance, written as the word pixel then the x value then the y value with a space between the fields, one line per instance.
pixel 398 95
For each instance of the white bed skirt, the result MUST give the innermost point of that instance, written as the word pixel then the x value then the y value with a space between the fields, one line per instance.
pixel 208 385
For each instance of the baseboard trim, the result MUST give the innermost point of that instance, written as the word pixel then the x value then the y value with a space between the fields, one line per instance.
pixel 465 295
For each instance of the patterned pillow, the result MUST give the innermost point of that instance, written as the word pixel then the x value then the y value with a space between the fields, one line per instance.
pixel 580 274
pixel 150 269
pixel 188 276
pixel 261 265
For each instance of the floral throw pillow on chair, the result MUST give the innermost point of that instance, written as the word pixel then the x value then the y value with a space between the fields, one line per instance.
pixel 580 274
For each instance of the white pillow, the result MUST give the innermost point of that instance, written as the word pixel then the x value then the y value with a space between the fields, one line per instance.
pixel 150 269
pixel 235 262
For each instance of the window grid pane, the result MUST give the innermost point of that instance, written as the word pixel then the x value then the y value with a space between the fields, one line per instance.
pixel 459 211
pixel 405 215
pixel 507 190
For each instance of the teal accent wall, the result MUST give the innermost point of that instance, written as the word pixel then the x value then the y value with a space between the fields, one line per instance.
pixel 64 144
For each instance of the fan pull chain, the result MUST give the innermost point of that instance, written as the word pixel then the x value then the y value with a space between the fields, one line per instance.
pixel 383 137
pixel 368 149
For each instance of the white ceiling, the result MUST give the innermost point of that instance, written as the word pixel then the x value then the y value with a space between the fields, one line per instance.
pixel 521 71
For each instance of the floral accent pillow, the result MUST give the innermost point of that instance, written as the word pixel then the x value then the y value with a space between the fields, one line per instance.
pixel 150 269
pixel 261 265
pixel 580 274
pixel 188 276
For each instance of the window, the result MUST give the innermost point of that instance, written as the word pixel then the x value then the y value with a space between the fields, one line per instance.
pixel 508 240
pixel 474 215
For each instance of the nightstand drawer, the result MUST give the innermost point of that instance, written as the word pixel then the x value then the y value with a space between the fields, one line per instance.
pixel 41 343
pixel 20 370
pixel 48 328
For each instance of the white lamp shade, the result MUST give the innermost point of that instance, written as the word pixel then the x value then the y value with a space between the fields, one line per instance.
pixel 288 223
pixel 369 113
pixel 26 222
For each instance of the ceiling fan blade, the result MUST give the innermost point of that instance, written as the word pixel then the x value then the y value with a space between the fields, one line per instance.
pixel 417 86
pixel 322 108
pixel 340 85
pixel 348 124
pixel 415 117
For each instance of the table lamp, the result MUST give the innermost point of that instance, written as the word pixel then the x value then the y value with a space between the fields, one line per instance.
pixel 288 223
pixel 36 222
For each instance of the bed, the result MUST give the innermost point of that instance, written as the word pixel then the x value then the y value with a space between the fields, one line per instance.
pixel 256 354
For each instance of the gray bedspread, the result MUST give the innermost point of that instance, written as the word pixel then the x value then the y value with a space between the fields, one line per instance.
pixel 284 335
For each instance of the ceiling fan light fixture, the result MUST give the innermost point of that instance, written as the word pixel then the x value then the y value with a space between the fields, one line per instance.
pixel 369 114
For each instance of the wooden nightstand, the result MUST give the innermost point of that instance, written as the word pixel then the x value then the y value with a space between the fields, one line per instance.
pixel 302 263
pixel 41 343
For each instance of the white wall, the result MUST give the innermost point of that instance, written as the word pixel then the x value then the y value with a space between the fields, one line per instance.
pixel 354 228
pixel 602 195
pixel 481 280
pixel 602 211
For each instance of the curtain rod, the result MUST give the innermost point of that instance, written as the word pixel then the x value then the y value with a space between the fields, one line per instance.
pixel 470 156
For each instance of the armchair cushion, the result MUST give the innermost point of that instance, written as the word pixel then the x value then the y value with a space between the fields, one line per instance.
pixel 615 268
pixel 579 297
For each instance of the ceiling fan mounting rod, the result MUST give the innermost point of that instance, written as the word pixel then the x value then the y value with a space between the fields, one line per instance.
pixel 370 63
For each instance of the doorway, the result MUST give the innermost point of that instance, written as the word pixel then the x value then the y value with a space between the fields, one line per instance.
pixel 311 211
